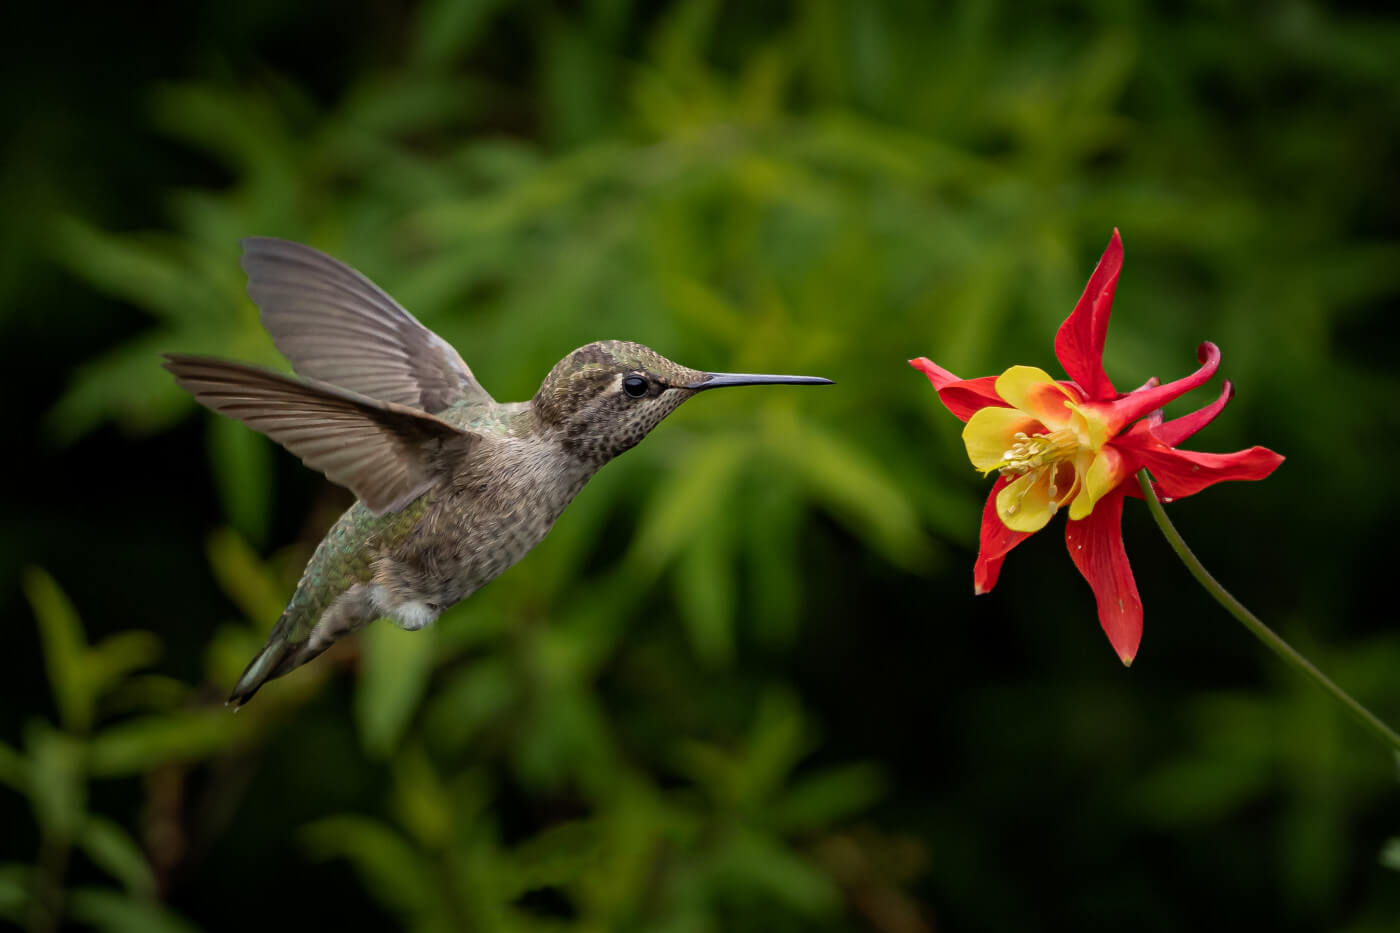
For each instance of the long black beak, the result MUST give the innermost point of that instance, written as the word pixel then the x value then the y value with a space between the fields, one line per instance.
pixel 718 380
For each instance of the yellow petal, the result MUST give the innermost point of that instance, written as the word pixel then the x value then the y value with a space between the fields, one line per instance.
pixel 1091 425
pixel 1024 503
pixel 991 431
pixel 1103 474
pixel 1033 391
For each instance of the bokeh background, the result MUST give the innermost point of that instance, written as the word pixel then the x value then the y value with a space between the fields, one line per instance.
pixel 744 685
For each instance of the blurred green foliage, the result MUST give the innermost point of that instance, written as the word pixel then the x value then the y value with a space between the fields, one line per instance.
pixel 743 685
pixel 157 727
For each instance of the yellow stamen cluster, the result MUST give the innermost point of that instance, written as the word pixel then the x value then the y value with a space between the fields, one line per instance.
pixel 1033 453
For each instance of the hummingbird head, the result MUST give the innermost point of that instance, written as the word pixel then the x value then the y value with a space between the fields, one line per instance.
pixel 605 397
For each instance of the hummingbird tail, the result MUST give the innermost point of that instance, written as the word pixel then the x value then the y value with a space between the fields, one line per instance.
pixel 267 665
pixel 295 639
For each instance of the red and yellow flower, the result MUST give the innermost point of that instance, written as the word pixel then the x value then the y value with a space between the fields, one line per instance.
pixel 1077 443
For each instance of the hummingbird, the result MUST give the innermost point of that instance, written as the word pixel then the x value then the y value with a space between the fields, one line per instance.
pixel 452 487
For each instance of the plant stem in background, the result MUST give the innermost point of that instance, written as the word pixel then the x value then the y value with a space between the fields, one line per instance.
pixel 1250 621
pixel 46 909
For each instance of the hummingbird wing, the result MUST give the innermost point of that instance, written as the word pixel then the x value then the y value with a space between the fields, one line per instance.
pixel 337 326
pixel 385 453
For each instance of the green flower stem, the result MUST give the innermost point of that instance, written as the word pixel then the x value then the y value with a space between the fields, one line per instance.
pixel 1250 621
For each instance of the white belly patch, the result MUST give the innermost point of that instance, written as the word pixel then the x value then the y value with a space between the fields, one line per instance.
pixel 411 615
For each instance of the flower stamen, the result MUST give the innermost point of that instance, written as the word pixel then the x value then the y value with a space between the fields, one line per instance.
pixel 1040 455
pixel 1035 452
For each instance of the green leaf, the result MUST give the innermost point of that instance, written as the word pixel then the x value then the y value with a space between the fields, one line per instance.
pixel 146 692
pixel 1390 854
pixel 763 864
pixel 773 596
pixel 686 501
pixel 246 580
pixel 705 310
pixel 776 742
pixel 421 802
pixel 469 701
pixel 399 104
pixel 826 798
pixel 150 274
pixel 65 649
pixel 554 857
pixel 447 29
pixel 706 596
pixel 14 890
pixel 137 745
pixel 114 657
pixel 242 463
pixel 214 224
pixel 393 678
pixel 244 131
pixel 114 912
pixel 116 853
pixel 125 385
pixel 14 771
pixel 573 82
pixel 396 873
pixel 568 740
pixel 710 767
pixel 856 489
pixel 57 790
pixel 80 675
pixel 1224 775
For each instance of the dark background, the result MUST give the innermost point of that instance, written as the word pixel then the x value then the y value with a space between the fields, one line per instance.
pixel 744 684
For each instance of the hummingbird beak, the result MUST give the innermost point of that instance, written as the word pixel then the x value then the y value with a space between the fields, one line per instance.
pixel 718 380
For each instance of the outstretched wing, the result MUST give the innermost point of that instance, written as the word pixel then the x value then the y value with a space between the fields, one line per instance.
pixel 385 453
pixel 337 326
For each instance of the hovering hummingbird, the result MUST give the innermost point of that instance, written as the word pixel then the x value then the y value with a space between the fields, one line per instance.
pixel 452 487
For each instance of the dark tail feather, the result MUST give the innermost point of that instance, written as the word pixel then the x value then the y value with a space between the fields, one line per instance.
pixel 264 667
pixel 279 656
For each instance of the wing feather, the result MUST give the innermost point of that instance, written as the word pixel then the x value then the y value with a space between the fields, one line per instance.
pixel 386 453
pixel 335 325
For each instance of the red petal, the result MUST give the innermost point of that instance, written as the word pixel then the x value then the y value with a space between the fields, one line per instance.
pixel 962 397
pixel 1177 430
pixel 939 376
pixel 1123 411
pixel 1096 547
pixel 1181 473
pixel 1079 342
pixel 1152 383
pixel 997 542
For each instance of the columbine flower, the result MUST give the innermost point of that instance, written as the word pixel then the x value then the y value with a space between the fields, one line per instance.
pixel 1077 443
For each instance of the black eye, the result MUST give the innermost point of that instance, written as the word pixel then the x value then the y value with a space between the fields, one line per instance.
pixel 634 386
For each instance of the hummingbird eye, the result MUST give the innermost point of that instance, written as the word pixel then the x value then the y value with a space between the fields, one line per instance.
pixel 634 386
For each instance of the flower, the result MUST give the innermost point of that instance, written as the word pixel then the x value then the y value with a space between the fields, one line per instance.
pixel 1078 442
